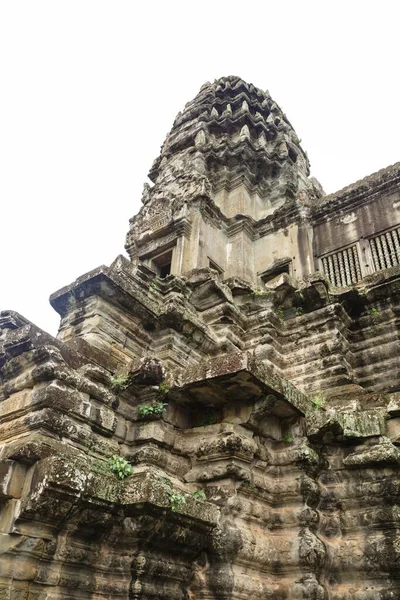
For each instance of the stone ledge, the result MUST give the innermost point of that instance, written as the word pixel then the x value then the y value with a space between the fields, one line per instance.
pixel 345 425
pixel 240 376
pixel 384 453
pixel 60 482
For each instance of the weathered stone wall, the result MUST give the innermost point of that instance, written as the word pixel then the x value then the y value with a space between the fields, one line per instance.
pixel 259 407
pixel 357 215
pixel 287 478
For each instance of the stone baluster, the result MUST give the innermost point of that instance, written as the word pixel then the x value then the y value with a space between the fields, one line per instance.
pixel 331 270
pixel 395 236
pixel 349 278
pixel 336 269
pixel 350 258
pixel 342 270
pixel 374 254
pixel 356 263
pixel 381 255
pixel 386 251
pixel 393 256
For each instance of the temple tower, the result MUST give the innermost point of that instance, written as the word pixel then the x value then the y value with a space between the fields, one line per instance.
pixel 231 186
pixel 218 417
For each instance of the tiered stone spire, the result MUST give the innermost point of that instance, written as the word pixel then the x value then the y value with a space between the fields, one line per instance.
pixel 231 153
pixel 235 135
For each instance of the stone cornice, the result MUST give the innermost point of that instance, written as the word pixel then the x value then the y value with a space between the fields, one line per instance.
pixel 359 193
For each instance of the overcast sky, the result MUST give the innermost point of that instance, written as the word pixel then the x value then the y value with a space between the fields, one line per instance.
pixel 89 89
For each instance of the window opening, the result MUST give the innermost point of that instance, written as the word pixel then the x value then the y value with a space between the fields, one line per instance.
pixel 165 270
pixel 163 263
pixel 277 268
pixel 342 268
pixel 385 249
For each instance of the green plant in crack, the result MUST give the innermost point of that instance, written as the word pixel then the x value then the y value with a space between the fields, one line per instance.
pixel 287 438
pixel 119 382
pixel 280 313
pixel 176 500
pixel 199 495
pixel 374 313
pixel 163 388
pixel 120 466
pixel 151 410
pixel 318 402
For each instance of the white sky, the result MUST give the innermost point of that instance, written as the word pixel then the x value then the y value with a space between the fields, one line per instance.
pixel 89 89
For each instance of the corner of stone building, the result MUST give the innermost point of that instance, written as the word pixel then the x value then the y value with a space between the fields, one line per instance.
pixel 218 416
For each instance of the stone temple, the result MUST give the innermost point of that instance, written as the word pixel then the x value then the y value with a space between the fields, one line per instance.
pixel 244 361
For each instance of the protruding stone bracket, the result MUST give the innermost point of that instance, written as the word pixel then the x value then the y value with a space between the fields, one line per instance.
pixel 342 426
pixel 18 335
pixel 238 377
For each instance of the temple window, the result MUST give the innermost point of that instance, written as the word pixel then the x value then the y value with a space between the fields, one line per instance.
pixel 278 267
pixel 162 263
pixel 342 268
pixel 385 249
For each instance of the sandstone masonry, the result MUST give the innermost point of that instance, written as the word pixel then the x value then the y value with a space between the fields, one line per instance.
pixel 244 360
